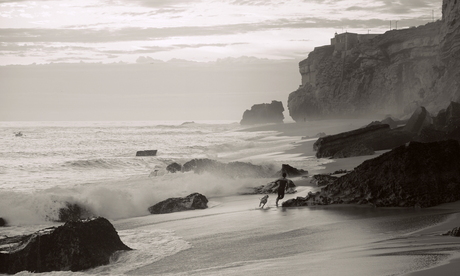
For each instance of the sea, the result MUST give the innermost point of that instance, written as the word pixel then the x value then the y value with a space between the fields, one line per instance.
pixel 94 165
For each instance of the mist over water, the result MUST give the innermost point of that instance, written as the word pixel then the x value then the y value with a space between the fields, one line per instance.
pixel 93 164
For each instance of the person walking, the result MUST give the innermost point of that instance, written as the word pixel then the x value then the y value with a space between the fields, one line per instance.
pixel 282 187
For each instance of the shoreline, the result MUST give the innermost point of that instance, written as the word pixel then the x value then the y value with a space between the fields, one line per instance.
pixel 428 239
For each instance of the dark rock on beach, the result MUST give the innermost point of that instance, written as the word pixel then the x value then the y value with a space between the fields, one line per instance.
pixel 170 205
pixel 73 212
pixel 75 246
pixel 454 232
pixel 361 141
pixel 264 113
pixel 323 179
pixel 2 222
pixel 290 171
pixel 146 153
pixel 419 175
pixel 174 167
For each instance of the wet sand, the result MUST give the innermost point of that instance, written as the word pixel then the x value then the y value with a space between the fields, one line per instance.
pixel 235 237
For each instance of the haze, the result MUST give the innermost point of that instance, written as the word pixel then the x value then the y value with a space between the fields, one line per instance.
pixel 171 60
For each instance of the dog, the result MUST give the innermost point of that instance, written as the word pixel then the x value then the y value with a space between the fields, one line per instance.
pixel 263 201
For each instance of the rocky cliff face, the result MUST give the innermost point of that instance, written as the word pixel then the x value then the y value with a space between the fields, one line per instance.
pixel 392 73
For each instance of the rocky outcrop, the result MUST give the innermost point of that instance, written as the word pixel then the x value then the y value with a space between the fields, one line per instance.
pixel 178 204
pixel 454 232
pixel 73 212
pixel 419 174
pixel 391 73
pixel 232 169
pixel 2 222
pixel 323 179
pixel 446 125
pixel 362 141
pixel 75 246
pixel 146 153
pixel 174 167
pixel 264 113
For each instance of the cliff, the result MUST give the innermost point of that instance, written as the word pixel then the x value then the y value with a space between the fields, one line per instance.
pixel 391 73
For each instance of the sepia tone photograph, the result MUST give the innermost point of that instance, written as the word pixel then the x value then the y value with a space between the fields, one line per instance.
pixel 230 137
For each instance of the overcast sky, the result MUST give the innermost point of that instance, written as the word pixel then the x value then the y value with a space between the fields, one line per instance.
pixel 149 39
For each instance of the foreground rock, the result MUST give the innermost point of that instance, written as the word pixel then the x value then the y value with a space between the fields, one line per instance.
pixel 454 232
pixel 264 113
pixel 420 175
pixel 389 73
pixel 170 205
pixel 75 246
pixel 362 141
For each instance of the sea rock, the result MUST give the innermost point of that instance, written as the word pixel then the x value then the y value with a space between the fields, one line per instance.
pixel 232 169
pixel 75 246
pixel 264 113
pixel 2 222
pixel 73 212
pixel 454 232
pixel 372 138
pixel 323 179
pixel 170 205
pixel 388 73
pixel 446 125
pixel 146 153
pixel 419 174
pixel 174 167
pixel 290 171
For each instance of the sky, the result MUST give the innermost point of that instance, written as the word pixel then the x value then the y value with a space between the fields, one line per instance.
pixel 171 59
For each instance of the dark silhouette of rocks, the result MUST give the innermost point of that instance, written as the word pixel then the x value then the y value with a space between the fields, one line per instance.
pixel 73 212
pixel 232 169
pixel 178 204
pixel 419 120
pixel 75 246
pixel 146 153
pixel 361 141
pixel 419 174
pixel 2 222
pixel 174 167
pixel 454 232
pixel 290 171
pixel 264 113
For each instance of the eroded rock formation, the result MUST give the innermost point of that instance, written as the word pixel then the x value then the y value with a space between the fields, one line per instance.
pixel 391 73
pixel 264 113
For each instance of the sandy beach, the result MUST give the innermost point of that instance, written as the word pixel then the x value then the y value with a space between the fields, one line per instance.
pixel 236 237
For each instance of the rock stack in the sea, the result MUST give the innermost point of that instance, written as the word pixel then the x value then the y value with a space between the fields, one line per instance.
pixel 191 202
pixel 290 171
pixel 390 73
pixel 75 246
pixel 419 174
pixel 73 212
pixel 264 113
pixel 146 153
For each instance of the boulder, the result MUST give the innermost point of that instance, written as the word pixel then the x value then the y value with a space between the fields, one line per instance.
pixel 170 205
pixel 73 212
pixel 419 174
pixel 264 113
pixel 454 232
pixel 75 246
pixel 146 153
pixel 174 167
pixel 2 222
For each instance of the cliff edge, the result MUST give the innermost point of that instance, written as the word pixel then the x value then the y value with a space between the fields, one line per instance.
pixel 392 73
